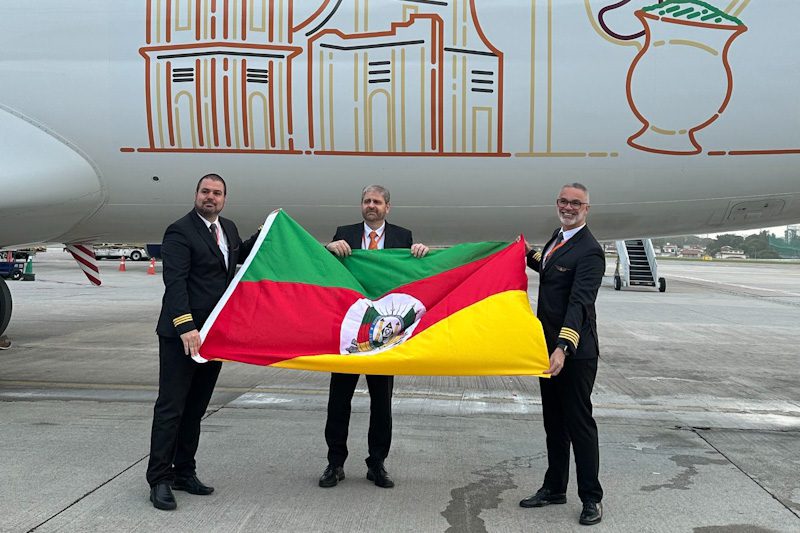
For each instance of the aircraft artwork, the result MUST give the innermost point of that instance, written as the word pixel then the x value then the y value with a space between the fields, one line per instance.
pixel 680 116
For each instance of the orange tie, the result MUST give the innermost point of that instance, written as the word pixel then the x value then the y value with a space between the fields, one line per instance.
pixel 373 240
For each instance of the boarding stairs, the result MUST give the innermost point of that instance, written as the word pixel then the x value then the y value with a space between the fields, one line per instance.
pixel 636 265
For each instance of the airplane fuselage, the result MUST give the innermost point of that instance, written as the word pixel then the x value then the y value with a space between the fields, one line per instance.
pixel 472 112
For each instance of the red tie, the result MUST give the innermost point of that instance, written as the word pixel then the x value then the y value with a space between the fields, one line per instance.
pixel 214 232
pixel 373 240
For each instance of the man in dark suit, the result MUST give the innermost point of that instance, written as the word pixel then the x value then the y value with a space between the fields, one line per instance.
pixel 200 252
pixel 374 233
pixel 570 268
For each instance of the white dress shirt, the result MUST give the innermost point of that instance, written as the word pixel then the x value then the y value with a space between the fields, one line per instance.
pixel 365 237
pixel 567 236
pixel 223 241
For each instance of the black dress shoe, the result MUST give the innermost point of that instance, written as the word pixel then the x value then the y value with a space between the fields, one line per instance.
pixel 592 513
pixel 380 477
pixel 331 476
pixel 192 485
pixel 162 497
pixel 543 497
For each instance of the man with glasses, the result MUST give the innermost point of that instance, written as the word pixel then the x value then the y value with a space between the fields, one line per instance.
pixel 570 268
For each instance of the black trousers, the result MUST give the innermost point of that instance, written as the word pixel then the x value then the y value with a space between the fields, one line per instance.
pixel 567 411
pixel 379 438
pixel 184 390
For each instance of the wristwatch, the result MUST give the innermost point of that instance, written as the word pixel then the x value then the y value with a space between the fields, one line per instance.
pixel 564 348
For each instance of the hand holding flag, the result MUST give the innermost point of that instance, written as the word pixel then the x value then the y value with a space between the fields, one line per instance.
pixel 459 311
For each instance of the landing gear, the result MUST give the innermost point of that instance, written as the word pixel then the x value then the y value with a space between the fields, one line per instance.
pixel 662 285
pixel 617 283
pixel 5 305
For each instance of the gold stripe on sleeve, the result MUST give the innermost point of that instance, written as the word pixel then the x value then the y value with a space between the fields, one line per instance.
pixel 570 335
pixel 182 320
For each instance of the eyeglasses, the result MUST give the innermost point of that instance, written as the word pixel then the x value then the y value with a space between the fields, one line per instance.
pixel 576 204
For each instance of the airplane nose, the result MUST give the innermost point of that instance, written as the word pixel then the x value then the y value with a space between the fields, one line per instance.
pixel 46 186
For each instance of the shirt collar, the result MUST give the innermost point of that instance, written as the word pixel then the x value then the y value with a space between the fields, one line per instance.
pixel 379 231
pixel 206 222
pixel 571 233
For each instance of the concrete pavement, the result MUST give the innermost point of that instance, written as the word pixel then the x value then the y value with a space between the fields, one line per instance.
pixel 696 402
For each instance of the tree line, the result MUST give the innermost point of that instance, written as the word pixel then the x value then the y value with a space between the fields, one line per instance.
pixel 755 246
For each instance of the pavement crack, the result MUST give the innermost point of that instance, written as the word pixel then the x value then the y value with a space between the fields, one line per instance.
pixel 733 528
pixel 87 494
pixel 699 433
pixel 468 502
pixel 683 480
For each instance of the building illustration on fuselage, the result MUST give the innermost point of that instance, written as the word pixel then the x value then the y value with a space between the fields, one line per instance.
pixel 422 78
pixel 410 77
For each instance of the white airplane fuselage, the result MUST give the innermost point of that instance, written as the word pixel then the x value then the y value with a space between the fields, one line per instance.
pixel 472 112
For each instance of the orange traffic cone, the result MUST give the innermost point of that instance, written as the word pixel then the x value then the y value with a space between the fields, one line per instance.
pixel 151 270
pixel 122 264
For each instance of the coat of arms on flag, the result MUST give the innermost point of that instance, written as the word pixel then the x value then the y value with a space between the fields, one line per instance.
pixel 382 324
pixel 458 311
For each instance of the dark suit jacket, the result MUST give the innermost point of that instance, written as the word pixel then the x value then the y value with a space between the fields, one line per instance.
pixel 393 237
pixel 568 286
pixel 195 276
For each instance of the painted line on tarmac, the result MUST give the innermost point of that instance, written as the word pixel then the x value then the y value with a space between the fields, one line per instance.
pixel 737 285
pixel 721 413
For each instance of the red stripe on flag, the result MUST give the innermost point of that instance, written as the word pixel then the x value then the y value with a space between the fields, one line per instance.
pixel 287 319
pixel 453 290
pixel 265 322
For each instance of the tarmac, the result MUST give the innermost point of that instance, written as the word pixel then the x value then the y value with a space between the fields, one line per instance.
pixel 697 402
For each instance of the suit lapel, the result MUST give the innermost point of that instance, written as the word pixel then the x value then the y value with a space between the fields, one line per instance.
pixel 355 237
pixel 387 237
pixel 233 255
pixel 544 251
pixel 358 236
pixel 566 247
pixel 205 235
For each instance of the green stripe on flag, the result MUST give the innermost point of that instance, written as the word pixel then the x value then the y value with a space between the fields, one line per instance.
pixel 301 258
pixel 383 270
pixel 372 273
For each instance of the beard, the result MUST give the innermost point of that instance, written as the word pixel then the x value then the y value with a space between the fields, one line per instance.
pixel 371 215
pixel 207 210
pixel 569 219
pixel 566 219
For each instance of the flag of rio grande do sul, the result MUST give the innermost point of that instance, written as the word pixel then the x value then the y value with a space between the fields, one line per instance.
pixel 458 311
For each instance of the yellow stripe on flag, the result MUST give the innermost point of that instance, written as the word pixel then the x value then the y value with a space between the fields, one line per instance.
pixel 455 346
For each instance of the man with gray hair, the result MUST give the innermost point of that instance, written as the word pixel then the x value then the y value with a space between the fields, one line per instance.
pixel 570 268
pixel 373 233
